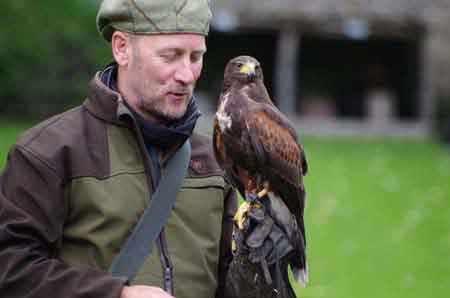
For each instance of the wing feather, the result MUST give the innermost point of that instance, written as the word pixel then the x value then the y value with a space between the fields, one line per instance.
pixel 280 150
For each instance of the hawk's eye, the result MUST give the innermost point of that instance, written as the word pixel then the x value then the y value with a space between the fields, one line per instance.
pixel 239 64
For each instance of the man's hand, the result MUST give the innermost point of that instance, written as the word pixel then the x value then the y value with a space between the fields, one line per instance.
pixel 143 292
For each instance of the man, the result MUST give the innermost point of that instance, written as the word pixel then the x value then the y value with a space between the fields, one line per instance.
pixel 75 185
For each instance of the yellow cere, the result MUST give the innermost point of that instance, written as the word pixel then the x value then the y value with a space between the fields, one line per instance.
pixel 247 68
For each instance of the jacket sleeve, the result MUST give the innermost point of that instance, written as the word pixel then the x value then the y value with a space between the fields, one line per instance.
pixel 32 213
pixel 226 238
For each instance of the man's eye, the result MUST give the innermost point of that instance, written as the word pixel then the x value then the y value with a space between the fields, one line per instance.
pixel 169 56
pixel 196 58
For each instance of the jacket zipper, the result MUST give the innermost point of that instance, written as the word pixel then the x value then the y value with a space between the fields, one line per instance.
pixel 166 264
pixel 161 243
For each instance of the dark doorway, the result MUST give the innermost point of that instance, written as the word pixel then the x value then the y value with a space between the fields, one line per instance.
pixel 344 71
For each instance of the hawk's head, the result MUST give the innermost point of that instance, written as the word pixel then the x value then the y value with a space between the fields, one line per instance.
pixel 242 70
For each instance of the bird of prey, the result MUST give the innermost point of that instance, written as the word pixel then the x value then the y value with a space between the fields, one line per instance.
pixel 258 149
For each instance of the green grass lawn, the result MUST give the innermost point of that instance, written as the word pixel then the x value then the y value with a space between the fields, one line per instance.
pixel 378 216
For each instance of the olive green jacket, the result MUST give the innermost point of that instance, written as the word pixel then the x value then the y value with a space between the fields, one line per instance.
pixel 71 192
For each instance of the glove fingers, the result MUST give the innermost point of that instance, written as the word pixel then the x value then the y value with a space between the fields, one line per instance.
pixel 257 214
pixel 278 210
pixel 259 233
pixel 280 245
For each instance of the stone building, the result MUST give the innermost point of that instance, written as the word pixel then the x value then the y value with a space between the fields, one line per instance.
pixel 341 65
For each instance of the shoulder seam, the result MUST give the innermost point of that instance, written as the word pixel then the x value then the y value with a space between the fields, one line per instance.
pixel 38 157
pixel 42 129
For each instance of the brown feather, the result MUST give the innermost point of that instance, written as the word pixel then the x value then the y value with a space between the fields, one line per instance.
pixel 219 149
pixel 279 145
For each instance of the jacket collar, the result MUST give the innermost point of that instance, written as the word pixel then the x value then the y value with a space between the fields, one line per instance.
pixel 105 103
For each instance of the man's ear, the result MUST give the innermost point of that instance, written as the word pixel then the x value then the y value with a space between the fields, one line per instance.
pixel 121 47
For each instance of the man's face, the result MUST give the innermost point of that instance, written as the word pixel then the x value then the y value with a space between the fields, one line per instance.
pixel 162 72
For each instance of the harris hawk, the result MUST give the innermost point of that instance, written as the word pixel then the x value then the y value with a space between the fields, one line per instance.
pixel 257 147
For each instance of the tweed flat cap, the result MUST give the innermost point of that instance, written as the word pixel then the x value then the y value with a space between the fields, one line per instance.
pixel 154 17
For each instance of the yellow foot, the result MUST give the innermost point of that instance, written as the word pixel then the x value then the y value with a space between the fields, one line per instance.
pixel 240 215
pixel 262 193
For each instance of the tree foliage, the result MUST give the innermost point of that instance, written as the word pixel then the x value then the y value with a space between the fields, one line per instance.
pixel 49 51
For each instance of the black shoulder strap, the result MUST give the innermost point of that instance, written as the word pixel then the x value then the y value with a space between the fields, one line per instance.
pixel 139 244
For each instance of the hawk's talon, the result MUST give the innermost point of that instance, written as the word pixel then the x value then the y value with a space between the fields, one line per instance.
pixel 240 215
pixel 263 193
pixel 252 200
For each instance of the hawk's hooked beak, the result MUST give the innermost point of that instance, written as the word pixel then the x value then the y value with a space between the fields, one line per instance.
pixel 248 68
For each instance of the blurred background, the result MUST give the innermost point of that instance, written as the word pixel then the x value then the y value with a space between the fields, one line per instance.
pixel 367 85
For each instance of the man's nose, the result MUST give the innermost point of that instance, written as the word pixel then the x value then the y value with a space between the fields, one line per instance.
pixel 185 73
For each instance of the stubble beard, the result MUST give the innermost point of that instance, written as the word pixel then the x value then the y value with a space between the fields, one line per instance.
pixel 160 109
